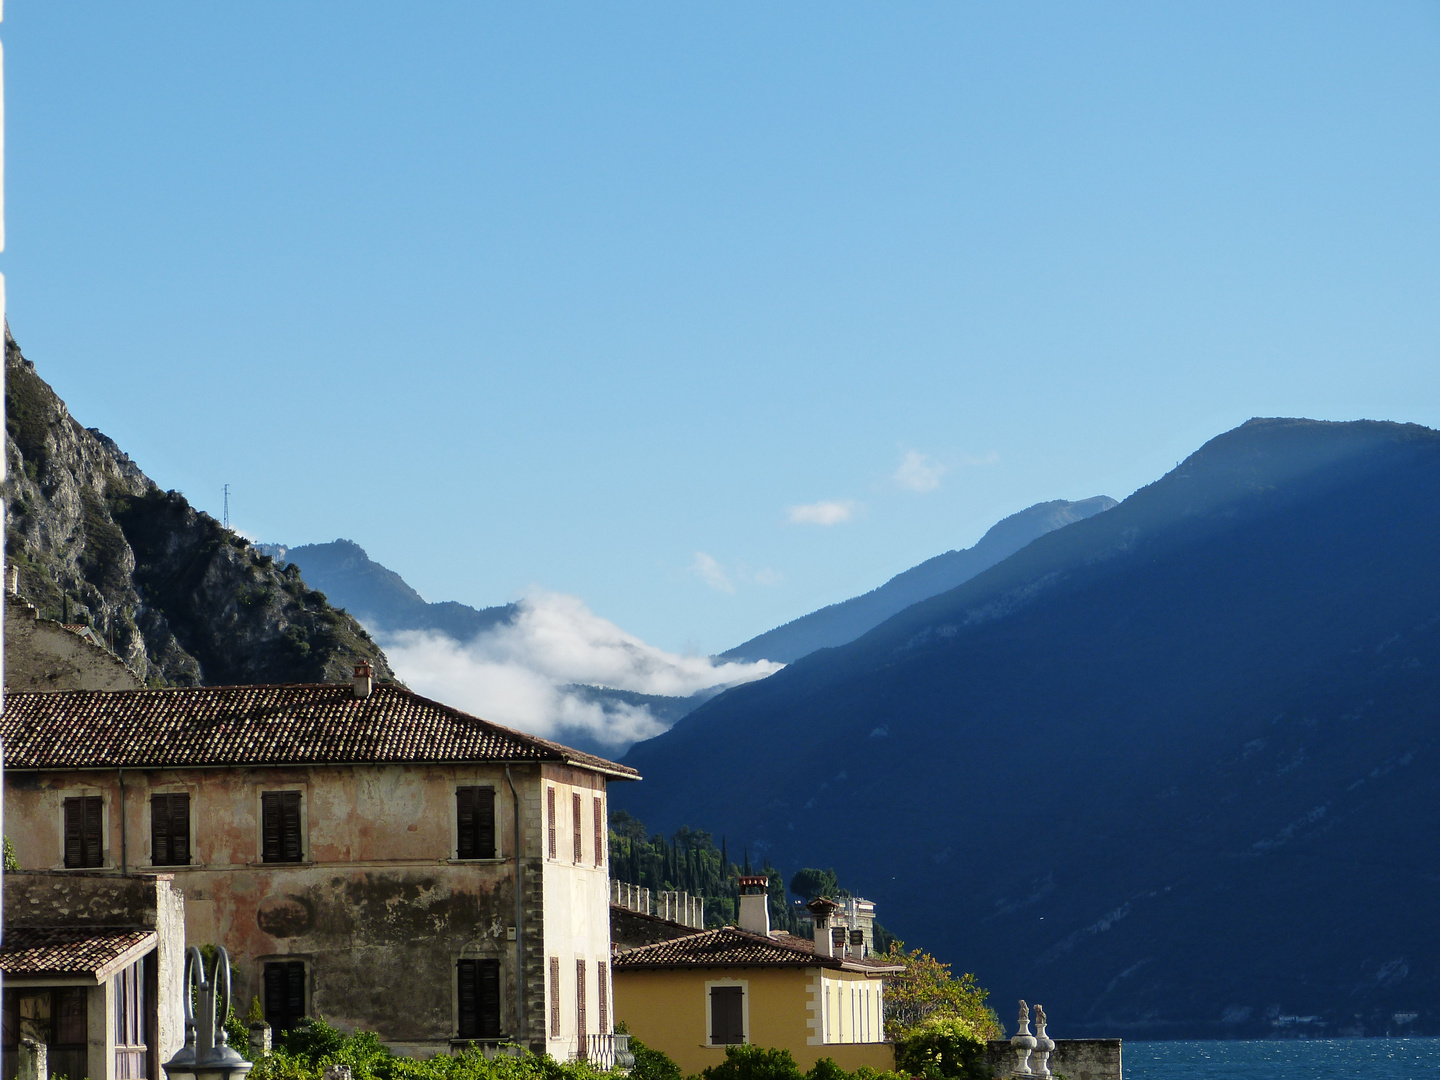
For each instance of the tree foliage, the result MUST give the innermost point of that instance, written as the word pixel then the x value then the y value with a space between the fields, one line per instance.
pixel 926 990
pixel 943 1048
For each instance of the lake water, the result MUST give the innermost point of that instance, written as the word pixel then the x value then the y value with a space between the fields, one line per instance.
pixel 1290 1059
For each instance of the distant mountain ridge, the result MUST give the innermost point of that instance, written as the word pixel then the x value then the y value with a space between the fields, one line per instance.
pixel 1168 770
pixel 839 623
pixel 379 596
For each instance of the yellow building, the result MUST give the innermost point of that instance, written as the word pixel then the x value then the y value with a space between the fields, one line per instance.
pixel 693 996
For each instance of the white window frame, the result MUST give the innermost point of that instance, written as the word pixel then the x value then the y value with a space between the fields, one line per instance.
pixel 744 985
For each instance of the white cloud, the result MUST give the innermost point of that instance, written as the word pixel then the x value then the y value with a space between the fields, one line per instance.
pixel 766 577
pixel 712 572
pixel 830 512
pixel 517 673
pixel 919 472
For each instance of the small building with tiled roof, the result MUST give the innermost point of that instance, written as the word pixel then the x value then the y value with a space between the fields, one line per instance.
pixel 353 846
pixel 92 965
pixel 693 995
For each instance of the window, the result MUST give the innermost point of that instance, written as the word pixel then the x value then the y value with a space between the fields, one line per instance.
pixel 130 1023
pixel 280 827
pixel 284 994
pixel 479 993
pixel 58 1017
pixel 727 1015
pixel 580 998
pixel 550 813
pixel 555 995
pixel 599 833
pixel 170 830
pixel 576 817
pixel 475 822
pixel 84 825
pixel 602 1000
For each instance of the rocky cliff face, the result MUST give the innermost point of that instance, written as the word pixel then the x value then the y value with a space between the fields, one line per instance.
pixel 174 594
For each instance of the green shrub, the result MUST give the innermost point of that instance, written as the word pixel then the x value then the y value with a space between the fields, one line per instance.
pixel 826 1069
pixel 755 1063
pixel 651 1064
pixel 943 1049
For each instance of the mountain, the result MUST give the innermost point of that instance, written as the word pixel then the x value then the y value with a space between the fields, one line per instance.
pixel 1169 770
pixel 180 599
pixel 380 597
pixel 847 620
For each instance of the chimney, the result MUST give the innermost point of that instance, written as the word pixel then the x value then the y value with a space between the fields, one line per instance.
pixel 823 909
pixel 362 682
pixel 755 904
pixel 857 944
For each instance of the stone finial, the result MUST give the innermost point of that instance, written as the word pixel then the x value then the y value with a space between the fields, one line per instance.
pixel 1043 1045
pixel 1023 1043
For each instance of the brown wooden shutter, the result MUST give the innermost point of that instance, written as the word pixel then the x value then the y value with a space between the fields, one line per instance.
pixel 488 999
pixel 74 833
pixel 465 800
pixel 602 1000
pixel 280 833
pixel 270 832
pixel 727 1015
pixel 291 847
pixel 180 830
pixel 485 823
pixel 284 994
pixel 84 832
pixel 468 978
pixel 577 815
pixel 550 811
pixel 94 832
pixel 599 833
pixel 170 830
pixel 554 994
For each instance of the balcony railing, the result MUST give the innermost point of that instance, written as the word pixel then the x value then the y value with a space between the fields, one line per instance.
pixel 604 1051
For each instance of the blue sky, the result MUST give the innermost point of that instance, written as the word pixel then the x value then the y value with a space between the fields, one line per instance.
pixel 711 314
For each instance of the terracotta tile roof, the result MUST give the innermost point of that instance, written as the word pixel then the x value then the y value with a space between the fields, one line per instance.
pixel 71 950
pixel 737 948
pixel 294 724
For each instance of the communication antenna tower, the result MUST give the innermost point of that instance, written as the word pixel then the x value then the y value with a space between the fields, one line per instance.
pixel 227 506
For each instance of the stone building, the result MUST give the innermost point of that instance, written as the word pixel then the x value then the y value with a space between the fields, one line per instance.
pixel 93 967
pixel 353 846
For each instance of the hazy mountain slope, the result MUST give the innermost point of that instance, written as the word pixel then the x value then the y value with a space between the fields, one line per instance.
pixel 179 598
pixel 847 620
pixel 1168 770
pixel 380 597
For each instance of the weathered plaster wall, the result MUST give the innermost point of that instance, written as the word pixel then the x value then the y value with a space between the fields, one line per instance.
pixel 576 905
pixel 380 909
pixel 1075 1059
pixel 42 655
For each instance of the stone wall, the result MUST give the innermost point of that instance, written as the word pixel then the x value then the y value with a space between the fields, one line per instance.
pixel 1074 1059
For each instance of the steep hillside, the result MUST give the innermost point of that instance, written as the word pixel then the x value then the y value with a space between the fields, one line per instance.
pixel 1168 770
pixel 176 596
pixel 847 620
pixel 379 596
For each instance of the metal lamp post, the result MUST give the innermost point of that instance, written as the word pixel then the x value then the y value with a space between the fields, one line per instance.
pixel 206 1054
